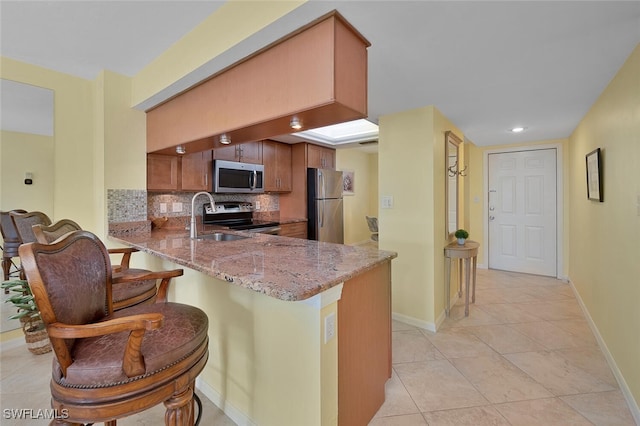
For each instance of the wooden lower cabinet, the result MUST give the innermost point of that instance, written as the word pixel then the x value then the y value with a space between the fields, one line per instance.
pixel 364 345
pixel 295 230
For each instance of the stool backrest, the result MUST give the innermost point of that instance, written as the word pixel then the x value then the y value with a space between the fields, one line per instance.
pixel 9 234
pixel 24 222
pixel 48 234
pixel 70 281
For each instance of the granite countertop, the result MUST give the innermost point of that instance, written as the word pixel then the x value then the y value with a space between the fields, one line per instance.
pixel 285 268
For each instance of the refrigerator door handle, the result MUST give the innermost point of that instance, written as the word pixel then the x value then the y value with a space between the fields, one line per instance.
pixel 322 216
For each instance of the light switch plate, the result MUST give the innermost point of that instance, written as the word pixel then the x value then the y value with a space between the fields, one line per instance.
pixel 176 207
pixel 387 202
pixel 163 207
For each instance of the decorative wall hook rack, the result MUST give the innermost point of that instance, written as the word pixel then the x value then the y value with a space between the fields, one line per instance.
pixel 453 170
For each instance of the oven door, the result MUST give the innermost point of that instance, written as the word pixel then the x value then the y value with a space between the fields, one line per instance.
pixel 272 230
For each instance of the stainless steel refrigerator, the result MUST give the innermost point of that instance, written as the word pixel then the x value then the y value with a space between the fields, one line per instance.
pixel 324 196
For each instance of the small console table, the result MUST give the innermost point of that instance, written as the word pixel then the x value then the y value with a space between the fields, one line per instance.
pixel 467 252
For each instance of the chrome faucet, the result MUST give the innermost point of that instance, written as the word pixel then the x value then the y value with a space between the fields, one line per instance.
pixel 193 232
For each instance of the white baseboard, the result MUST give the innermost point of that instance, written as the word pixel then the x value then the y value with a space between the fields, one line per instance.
pixel 238 417
pixel 414 322
pixel 14 343
pixel 624 388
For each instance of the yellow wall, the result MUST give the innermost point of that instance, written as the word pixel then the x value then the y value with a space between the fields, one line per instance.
pixel 604 262
pixel 230 24
pixel 412 171
pixel 357 206
pixel 73 157
pixel 14 162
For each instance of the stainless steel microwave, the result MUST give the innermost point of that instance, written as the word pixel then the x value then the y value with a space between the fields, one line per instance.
pixel 234 177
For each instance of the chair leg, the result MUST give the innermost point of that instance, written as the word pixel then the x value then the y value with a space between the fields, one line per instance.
pixel 180 408
pixel 6 268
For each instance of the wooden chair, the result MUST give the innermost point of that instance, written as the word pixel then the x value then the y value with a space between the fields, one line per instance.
pixel 372 223
pixel 111 365
pixel 128 292
pixel 23 223
pixel 11 242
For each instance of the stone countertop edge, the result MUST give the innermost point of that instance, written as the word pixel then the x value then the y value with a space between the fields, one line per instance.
pixel 289 269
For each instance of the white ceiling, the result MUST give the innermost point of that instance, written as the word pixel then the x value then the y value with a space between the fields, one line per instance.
pixel 487 66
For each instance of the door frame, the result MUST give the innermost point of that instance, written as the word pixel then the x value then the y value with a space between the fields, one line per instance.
pixel 559 197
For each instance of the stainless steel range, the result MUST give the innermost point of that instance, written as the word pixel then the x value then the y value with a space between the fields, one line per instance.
pixel 237 215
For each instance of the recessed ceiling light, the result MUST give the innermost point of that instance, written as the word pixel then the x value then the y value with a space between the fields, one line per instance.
pixel 225 139
pixel 518 129
pixel 295 123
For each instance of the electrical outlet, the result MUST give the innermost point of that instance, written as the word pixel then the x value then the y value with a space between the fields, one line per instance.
pixel 329 327
pixel 176 207
pixel 257 205
pixel 163 207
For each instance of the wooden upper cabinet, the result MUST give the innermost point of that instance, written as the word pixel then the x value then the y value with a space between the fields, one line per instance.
pixel 319 157
pixel 190 172
pixel 248 152
pixel 195 171
pixel 276 158
pixel 318 72
pixel 162 172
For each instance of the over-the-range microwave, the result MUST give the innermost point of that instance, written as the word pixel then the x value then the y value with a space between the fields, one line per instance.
pixel 234 177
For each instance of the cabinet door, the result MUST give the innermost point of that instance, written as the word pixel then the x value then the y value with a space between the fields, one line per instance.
pixel 228 153
pixel 162 172
pixel 294 230
pixel 276 158
pixel 270 166
pixel 319 157
pixel 196 168
pixel 251 152
pixel 283 166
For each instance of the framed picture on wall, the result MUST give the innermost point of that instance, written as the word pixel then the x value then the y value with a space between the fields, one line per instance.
pixel 594 176
pixel 347 182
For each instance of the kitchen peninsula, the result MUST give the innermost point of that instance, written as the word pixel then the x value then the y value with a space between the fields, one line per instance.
pixel 300 330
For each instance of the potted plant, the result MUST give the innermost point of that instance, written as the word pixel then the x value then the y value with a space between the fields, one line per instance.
pixel 461 235
pixel 35 332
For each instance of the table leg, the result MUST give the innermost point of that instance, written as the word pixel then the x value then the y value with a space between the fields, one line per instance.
pixel 467 272
pixel 459 277
pixel 447 285
pixel 475 261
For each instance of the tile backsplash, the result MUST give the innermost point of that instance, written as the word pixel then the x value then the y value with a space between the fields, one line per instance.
pixel 130 211
pixel 126 205
pixel 182 202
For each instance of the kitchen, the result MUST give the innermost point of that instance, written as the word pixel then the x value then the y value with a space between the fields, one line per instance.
pixel 286 269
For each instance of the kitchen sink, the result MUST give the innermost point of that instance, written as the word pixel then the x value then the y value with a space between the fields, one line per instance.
pixel 221 236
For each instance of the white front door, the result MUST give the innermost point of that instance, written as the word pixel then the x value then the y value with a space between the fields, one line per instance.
pixel 523 211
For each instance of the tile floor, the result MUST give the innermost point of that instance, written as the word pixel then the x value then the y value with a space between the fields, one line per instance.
pixel 524 356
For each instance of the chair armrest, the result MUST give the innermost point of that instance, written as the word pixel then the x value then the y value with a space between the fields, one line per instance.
pixel 126 252
pixel 132 359
pixel 150 321
pixel 163 288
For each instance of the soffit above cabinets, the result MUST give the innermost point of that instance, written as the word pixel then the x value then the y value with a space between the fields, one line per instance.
pixel 317 73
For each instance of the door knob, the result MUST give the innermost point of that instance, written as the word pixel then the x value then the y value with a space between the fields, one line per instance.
pixel 492 208
pixel 492 217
